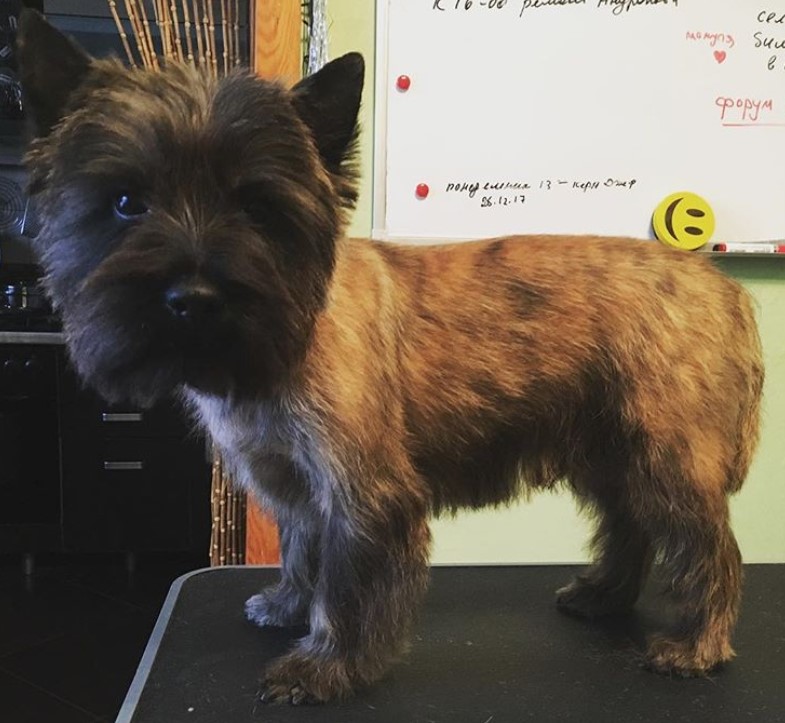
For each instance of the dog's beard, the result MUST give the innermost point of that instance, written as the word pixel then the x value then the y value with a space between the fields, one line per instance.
pixel 123 349
pixel 126 346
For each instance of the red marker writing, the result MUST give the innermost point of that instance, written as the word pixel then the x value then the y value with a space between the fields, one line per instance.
pixel 750 248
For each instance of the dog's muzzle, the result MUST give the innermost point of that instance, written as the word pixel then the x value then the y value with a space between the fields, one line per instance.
pixel 194 302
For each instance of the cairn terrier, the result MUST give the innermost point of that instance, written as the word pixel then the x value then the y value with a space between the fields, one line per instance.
pixel 193 241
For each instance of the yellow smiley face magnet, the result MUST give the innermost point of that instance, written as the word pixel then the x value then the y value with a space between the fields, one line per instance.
pixel 683 220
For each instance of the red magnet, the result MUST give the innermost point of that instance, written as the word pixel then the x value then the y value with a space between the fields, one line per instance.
pixel 422 190
pixel 403 83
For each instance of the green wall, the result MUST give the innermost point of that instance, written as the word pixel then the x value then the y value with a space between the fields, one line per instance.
pixel 351 26
pixel 548 529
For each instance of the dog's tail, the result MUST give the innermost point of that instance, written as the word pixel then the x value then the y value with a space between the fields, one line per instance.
pixel 748 428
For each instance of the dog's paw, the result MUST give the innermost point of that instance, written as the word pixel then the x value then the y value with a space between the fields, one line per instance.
pixel 278 606
pixel 300 680
pixel 686 658
pixel 274 691
pixel 585 598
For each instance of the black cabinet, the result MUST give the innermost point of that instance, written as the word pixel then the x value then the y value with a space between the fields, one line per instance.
pixel 29 463
pixel 79 475
pixel 134 480
pixel 30 494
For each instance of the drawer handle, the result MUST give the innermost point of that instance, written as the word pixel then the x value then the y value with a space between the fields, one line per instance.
pixel 123 466
pixel 122 417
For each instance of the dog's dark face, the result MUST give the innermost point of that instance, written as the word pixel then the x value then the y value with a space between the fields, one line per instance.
pixel 188 225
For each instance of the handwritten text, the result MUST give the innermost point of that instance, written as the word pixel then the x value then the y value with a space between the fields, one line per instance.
pixel 742 110
pixel 500 193
pixel 532 4
pixel 712 38
pixel 617 7
pixel 772 23
pixel 622 6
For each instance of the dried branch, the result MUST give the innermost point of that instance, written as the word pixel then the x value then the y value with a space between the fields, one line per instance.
pixel 175 23
pixel 121 33
pixel 188 40
pixel 199 18
pixel 138 32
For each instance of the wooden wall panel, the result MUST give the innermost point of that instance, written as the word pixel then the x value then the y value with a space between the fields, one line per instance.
pixel 261 537
pixel 277 53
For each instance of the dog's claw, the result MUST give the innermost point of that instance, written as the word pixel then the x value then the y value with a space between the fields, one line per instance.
pixel 303 680
pixel 300 696
pixel 685 659
pixel 295 695
pixel 272 694
pixel 266 696
pixel 588 600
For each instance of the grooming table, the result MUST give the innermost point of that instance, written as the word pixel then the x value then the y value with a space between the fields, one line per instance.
pixel 489 647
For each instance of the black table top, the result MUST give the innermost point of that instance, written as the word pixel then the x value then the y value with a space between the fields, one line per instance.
pixel 489 647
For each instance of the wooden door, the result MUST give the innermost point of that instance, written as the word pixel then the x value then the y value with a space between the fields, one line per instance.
pixel 277 53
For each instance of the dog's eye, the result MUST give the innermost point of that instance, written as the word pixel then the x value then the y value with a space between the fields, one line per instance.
pixel 127 206
pixel 255 211
pixel 253 203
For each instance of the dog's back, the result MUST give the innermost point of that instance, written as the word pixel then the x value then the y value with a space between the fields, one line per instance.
pixel 528 359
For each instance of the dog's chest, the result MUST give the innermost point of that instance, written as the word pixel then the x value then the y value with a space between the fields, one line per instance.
pixel 258 446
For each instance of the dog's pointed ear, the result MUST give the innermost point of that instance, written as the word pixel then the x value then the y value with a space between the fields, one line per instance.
pixel 51 67
pixel 328 102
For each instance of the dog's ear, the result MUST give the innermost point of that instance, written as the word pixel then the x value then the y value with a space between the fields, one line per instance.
pixel 51 67
pixel 329 101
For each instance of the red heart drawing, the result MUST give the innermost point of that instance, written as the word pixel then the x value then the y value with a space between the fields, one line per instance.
pixel 719 55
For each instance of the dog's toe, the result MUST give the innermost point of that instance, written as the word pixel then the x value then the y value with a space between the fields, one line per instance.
pixel 280 692
pixel 275 608
pixel 302 680
pixel 256 610
pixel 579 599
pixel 686 658
pixel 300 696
pixel 584 598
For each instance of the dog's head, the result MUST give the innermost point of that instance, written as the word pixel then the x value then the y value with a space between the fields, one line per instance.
pixel 188 226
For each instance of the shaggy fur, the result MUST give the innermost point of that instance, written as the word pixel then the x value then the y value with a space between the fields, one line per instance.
pixel 357 388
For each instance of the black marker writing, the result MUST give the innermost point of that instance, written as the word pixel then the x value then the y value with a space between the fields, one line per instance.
pixel 530 4
pixel 623 6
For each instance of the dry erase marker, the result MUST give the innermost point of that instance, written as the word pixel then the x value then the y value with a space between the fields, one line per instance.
pixel 750 248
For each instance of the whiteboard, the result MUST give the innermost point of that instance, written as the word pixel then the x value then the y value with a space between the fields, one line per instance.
pixel 578 116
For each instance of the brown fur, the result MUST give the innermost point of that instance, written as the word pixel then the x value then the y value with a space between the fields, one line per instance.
pixel 482 371
pixel 195 244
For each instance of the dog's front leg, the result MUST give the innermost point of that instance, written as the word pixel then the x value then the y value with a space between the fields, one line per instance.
pixel 288 602
pixel 372 574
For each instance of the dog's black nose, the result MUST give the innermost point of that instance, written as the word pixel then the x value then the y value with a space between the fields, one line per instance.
pixel 193 301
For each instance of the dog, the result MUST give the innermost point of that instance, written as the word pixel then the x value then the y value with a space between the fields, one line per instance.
pixel 193 240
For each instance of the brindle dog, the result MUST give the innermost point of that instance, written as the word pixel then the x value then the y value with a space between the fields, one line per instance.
pixel 193 241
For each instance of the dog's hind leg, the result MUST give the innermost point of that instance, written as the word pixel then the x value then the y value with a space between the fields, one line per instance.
pixel 684 508
pixel 288 602
pixel 600 473
pixel 622 561
pixel 703 564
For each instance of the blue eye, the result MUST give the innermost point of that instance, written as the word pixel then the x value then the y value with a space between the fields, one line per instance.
pixel 127 206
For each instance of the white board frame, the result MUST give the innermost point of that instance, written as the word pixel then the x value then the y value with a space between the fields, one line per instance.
pixel 379 208
pixel 382 90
